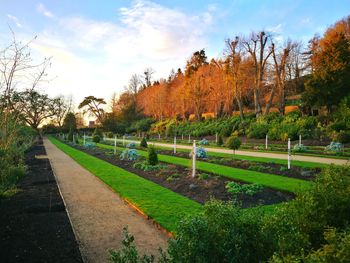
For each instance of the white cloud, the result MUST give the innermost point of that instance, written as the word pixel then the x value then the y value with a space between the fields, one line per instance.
pixel 42 10
pixel 93 57
pixel 15 20
pixel 276 29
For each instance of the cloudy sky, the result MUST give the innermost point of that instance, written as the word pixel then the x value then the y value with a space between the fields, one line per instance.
pixel 97 45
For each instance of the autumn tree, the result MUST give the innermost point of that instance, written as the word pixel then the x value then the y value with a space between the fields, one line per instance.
pixel 331 67
pixel 93 106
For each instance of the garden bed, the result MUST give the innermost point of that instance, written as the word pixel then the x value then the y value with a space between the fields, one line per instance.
pixel 270 167
pixel 202 188
pixel 34 225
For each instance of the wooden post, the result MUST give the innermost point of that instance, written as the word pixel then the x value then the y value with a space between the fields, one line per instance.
pixel 194 155
pixel 174 144
pixel 289 153
pixel 266 142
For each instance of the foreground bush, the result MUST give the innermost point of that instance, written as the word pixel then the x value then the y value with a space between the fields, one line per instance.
pixel 312 228
pixel 152 157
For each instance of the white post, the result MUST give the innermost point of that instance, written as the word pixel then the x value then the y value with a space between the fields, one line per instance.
pixel 299 139
pixel 194 155
pixel 123 140
pixel 266 142
pixel 216 138
pixel 84 139
pixel 189 138
pixel 115 145
pixel 288 153
pixel 174 144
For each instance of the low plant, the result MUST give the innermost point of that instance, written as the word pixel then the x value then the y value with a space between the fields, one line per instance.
pixel 131 145
pixel 203 176
pixel 90 145
pixel 152 157
pixel 129 154
pixel 203 142
pixel 334 147
pixel 200 153
pixel 249 189
pixel 300 148
pixel 147 167
pixel 258 168
pixel 233 143
pixel 173 177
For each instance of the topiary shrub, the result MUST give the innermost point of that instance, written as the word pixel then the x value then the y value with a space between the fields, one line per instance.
pixel 96 139
pixel 143 143
pixel 129 154
pixel 220 141
pixel 233 142
pixel 152 157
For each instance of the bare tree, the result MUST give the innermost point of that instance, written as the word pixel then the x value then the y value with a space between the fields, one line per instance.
pixel 62 106
pixel 148 76
pixel 256 46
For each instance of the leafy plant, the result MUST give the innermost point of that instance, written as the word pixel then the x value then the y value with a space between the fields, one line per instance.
pixel 299 148
pixel 200 153
pixel 129 154
pixel 233 142
pixel 249 189
pixel 334 147
pixel 147 167
pixel 96 138
pixel 220 141
pixel 131 145
pixel 203 142
pixel 258 168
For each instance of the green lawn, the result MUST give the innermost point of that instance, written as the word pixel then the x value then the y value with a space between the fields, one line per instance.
pixel 268 180
pixel 163 205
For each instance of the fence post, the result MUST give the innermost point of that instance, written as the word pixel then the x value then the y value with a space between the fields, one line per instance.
pixel 299 139
pixel 175 144
pixel 189 138
pixel 194 155
pixel 115 144
pixel 289 153
pixel 266 142
pixel 84 139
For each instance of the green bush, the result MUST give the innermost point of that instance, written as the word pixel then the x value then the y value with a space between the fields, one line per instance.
pixel 109 135
pixel 129 154
pixel 152 157
pixel 70 135
pixel 96 138
pixel 143 143
pixel 233 142
pixel 249 189
pixel 258 130
pixel 343 137
pixel 220 141
pixel 98 132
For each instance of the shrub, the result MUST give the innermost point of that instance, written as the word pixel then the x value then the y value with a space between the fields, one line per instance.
pixel 220 141
pixel 258 130
pixel 143 143
pixel 90 145
pixel 70 135
pixel 343 137
pixel 334 147
pixel 109 134
pixel 300 148
pixel 129 154
pixel 131 145
pixel 233 142
pixel 147 167
pixel 200 153
pixel 76 139
pixel 152 158
pixel 203 142
pixel 258 168
pixel 96 139
pixel 98 132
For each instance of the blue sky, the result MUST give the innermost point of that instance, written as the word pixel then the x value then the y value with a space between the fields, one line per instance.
pixel 97 45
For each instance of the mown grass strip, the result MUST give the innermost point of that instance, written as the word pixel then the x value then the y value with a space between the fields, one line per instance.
pixel 163 205
pixel 268 180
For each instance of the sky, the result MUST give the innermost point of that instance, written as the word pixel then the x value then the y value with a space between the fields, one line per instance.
pixel 96 46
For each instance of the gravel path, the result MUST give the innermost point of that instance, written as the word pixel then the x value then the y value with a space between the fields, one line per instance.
pixel 303 158
pixel 98 214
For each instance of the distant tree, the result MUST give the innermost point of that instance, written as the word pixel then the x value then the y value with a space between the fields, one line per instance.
pixel 69 122
pixel 330 81
pixel 92 106
pixel 33 107
pixel 147 75
pixel 62 106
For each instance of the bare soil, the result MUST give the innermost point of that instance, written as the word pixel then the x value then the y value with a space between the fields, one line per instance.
pixel 34 226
